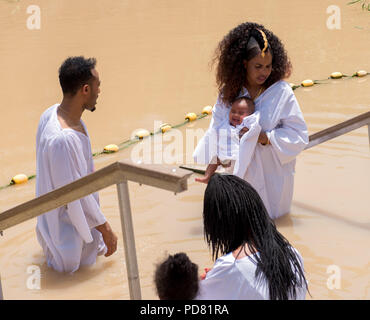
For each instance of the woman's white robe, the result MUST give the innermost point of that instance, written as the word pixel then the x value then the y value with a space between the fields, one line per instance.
pixel 231 279
pixel 268 168
pixel 67 234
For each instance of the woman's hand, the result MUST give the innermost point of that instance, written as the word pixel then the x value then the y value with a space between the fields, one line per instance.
pixel 263 139
pixel 242 131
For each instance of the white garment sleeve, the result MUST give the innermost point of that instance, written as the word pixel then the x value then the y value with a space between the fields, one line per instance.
pixel 290 137
pixel 67 164
pixel 206 150
pixel 220 112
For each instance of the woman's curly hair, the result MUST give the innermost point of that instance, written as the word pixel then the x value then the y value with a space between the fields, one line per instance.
pixel 232 51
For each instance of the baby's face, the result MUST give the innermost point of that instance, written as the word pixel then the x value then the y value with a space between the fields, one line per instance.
pixel 239 110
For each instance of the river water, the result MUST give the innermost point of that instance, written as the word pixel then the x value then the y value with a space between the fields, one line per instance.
pixel 153 59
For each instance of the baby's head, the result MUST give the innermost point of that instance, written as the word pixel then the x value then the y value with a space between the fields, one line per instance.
pixel 241 108
pixel 176 278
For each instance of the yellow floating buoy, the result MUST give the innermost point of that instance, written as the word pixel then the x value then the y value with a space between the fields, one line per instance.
pixel 307 83
pixel 165 127
pixel 336 75
pixel 361 73
pixel 191 116
pixel 142 133
pixel 207 110
pixel 19 178
pixel 111 148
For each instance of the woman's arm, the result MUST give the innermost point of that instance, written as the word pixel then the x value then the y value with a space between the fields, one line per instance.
pixel 290 136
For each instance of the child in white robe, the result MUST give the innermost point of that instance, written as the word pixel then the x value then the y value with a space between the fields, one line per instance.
pixel 176 278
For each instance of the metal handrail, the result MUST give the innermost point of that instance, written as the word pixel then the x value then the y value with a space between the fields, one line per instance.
pixel 164 177
pixel 340 129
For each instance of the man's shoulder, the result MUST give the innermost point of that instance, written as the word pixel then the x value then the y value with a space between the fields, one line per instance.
pixel 47 113
pixel 55 140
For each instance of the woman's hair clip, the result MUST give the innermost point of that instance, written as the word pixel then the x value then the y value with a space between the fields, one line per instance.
pixel 265 42
pixel 252 43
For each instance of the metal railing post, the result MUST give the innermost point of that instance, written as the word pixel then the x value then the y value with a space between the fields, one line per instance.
pixel 129 240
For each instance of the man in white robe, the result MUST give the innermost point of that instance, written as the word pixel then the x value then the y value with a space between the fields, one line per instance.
pixel 75 234
pixel 268 168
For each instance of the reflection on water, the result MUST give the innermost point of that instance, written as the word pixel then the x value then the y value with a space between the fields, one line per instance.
pixel 153 60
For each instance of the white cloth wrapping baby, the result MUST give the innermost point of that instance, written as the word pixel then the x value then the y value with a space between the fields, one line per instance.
pixel 223 142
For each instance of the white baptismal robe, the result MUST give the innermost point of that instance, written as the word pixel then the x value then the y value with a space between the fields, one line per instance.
pixel 231 279
pixel 67 234
pixel 268 168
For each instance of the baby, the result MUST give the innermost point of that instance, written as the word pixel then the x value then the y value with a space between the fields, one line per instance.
pixel 240 108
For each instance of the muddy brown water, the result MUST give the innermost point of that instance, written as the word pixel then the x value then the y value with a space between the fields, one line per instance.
pixel 153 59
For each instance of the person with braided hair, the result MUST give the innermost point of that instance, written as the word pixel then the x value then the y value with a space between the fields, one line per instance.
pixel 257 262
pixel 251 61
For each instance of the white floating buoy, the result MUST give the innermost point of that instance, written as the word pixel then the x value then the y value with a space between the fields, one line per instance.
pixel 142 133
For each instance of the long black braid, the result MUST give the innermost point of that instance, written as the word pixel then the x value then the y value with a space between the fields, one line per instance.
pixel 235 215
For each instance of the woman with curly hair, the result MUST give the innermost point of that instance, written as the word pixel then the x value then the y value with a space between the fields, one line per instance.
pixel 257 262
pixel 251 61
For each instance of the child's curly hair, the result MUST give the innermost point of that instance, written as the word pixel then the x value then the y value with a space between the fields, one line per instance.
pixel 232 51
pixel 176 278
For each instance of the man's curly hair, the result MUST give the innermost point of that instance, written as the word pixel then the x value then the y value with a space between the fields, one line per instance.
pixel 232 51
pixel 176 278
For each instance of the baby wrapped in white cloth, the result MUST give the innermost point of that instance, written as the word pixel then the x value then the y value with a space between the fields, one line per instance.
pixel 234 139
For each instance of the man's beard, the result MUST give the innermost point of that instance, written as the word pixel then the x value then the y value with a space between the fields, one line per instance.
pixel 92 109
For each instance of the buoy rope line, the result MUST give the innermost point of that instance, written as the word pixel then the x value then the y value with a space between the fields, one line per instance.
pixel 143 133
pixel 139 136
pixel 334 75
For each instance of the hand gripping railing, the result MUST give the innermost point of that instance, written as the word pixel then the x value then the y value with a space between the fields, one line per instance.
pixel 164 177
